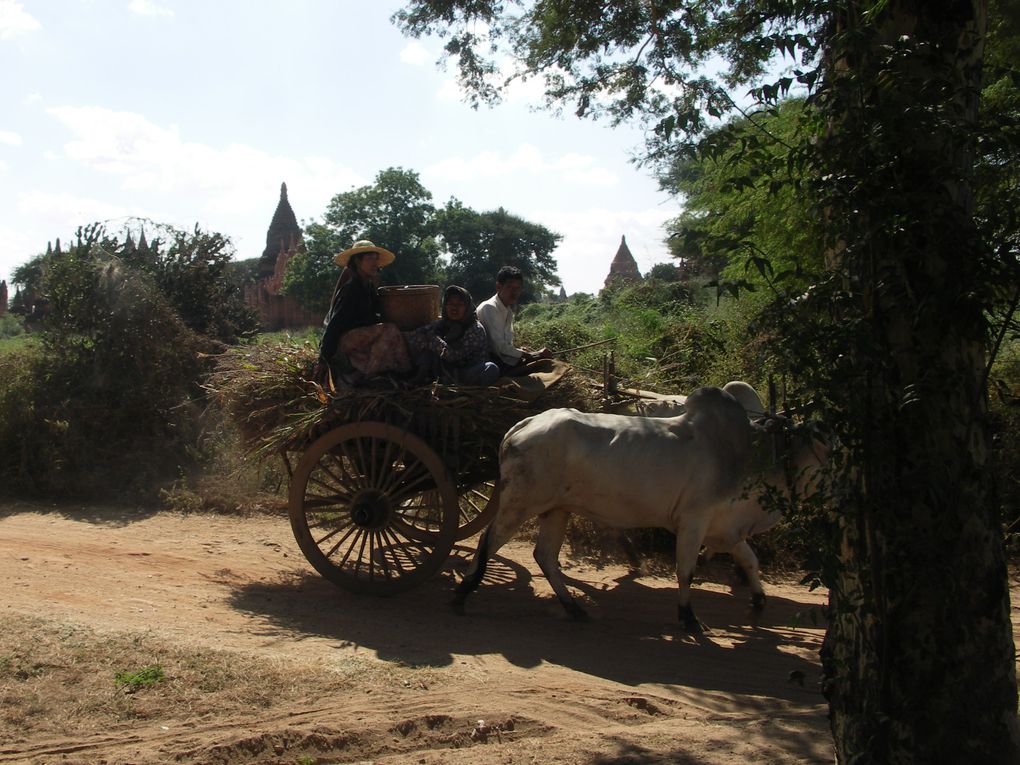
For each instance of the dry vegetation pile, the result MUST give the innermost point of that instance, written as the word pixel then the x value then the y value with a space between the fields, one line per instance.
pixel 266 392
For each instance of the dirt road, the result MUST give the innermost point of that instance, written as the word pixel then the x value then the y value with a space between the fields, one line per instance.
pixel 626 687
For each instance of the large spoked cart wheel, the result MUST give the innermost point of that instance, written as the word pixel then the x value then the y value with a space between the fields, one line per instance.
pixel 475 512
pixel 373 508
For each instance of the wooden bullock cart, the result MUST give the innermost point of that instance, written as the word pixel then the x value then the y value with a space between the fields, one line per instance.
pixel 384 481
pixel 380 494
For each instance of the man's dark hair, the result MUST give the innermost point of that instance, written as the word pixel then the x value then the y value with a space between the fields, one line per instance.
pixel 509 273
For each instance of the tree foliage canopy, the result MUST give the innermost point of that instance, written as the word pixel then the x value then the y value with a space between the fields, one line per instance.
pixel 626 60
pixel 481 243
pixel 191 270
pixel 397 212
pixel 737 219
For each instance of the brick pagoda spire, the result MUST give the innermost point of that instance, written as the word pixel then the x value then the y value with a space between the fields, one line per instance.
pixel 624 268
pixel 283 236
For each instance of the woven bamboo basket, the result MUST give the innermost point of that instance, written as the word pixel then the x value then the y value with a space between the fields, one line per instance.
pixel 410 306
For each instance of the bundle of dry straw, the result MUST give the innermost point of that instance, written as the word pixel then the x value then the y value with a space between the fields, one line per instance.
pixel 265 390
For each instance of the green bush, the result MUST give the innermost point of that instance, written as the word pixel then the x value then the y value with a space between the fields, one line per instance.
pixel 106 402
pixel 11 326
pixel 664 339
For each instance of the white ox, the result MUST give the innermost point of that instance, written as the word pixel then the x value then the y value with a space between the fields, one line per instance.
pixel 688 474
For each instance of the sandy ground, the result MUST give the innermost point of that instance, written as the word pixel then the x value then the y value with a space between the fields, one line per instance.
pixel 626 687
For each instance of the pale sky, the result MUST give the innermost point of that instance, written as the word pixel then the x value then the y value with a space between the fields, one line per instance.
pixel 195 111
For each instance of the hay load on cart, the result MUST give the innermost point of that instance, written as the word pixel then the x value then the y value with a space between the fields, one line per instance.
pixel 385 477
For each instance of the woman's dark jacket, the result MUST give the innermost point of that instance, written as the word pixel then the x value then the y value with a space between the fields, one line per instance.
pixel 357 305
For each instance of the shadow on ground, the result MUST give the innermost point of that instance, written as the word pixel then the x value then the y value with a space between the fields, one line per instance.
pixel 110 514
pixel 632 637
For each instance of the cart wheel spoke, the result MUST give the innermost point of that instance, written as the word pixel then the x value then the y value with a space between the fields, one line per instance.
pixel 474 510
pixel 333 473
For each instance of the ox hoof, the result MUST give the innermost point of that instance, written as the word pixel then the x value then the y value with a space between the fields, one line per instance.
pixel 457 604
pixel 691 624
pixel 694 627
pixel 576 613
pixel 758 601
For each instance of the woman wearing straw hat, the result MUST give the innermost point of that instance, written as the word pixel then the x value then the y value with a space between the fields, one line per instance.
pixel 356 341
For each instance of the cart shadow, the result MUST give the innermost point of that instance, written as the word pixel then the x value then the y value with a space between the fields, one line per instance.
pixel 632 637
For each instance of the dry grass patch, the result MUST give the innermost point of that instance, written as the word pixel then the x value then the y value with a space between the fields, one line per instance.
pixel 67 680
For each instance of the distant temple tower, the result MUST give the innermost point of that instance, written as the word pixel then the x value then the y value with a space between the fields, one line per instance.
pixel 624 269
pixel 282 238
pixel 283 241
pixel 143 243
pixel 3 297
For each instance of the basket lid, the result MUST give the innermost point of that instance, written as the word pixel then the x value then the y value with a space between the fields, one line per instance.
pixel 409 289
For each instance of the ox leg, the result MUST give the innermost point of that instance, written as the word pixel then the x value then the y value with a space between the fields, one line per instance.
pixel 688 544
pixel 748 563
pixel 629 550
pixel 552 528
pixel 496 534
pixel 704 558
pixel 475 573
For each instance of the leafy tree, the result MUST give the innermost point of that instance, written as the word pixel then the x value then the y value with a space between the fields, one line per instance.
pixel 312 274
pixel 997 177
pixel 892 338
pixel 737 211
pixel 481 243
pixel 665 272
pixel 192 270
pixel 29 274
pixel 395 212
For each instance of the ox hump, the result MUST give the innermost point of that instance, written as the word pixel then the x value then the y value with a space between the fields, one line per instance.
pixel 747 396
pixel 722 429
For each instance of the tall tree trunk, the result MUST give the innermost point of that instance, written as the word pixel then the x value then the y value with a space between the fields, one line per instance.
pixel 919 655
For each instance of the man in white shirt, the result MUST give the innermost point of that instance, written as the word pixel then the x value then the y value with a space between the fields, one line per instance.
pixel 496 316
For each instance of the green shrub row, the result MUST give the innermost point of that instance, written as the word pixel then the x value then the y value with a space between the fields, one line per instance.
pixel 105 400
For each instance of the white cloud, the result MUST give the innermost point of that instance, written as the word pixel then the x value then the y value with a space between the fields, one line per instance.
pixel 416 54
pixel 530 92
pixel 449 91
pixel 229 188
pixel 57 215
pixel 150 157
pixel 31 98
pixel 66 210
pixel 10 138
pixel 149 8
pixel 527 161
pixel 15 20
